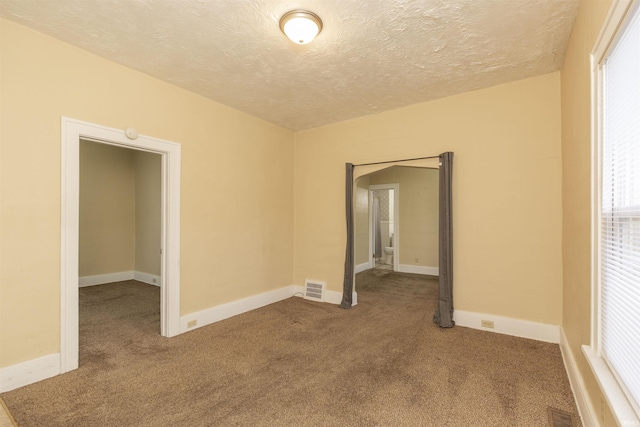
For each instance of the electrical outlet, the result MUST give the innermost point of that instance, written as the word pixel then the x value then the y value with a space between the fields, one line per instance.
pixel 416 260
pixel 486 323
pixel 192 323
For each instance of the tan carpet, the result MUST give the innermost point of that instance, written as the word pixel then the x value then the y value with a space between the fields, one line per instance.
pixel 382 363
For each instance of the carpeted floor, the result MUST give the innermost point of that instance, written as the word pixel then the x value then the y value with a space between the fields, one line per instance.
pixel 297 363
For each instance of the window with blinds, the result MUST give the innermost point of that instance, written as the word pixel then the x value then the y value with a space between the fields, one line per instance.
pixel 620 210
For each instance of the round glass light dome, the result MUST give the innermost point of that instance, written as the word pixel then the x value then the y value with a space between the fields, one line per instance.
pixel 300 26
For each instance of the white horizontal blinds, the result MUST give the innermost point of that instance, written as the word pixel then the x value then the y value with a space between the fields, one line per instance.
pixel 620 236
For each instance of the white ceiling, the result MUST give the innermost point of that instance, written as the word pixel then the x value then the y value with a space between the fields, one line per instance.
pixel 371 56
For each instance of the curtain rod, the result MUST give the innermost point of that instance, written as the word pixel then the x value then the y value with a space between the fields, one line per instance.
pixel 396 161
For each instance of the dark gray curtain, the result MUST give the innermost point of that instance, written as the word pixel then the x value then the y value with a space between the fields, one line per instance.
pixel 444 313
pixel 347 293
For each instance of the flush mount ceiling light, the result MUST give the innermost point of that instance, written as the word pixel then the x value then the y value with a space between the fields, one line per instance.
pixel 301 26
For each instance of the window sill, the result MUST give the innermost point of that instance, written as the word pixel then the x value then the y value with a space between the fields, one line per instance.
pixel 611 391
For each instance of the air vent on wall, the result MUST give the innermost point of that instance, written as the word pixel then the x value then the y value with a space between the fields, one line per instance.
pixel 314 290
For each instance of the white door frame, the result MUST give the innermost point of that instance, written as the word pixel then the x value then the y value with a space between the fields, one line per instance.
pixel 72 131
pixel 396 220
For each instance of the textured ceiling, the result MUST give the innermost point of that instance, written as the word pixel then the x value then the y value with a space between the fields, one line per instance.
pixel 371 56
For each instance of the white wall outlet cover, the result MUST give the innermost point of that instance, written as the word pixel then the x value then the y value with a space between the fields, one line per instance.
pixel 131 133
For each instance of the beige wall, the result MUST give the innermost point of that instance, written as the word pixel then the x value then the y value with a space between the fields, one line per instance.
pixel 576 202
pixel 506 192
pixel 148 216
pixel 418 221
pixel 236 208
pixel 107 209
pixel 361 220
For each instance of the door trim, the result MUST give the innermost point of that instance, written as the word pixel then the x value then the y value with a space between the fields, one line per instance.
pixel 71 132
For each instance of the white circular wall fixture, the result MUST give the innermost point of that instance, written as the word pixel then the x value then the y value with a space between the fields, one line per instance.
pixel 301 26
pixel 131 133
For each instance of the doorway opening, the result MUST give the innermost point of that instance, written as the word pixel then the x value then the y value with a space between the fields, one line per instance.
pixel 444 164
pixel 412 223
pixel 384 202
pixel 72 132
pixel 119 257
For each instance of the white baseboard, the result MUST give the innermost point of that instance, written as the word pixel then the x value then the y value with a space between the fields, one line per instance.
pixel 418 269
pixel 404 268
pixel 121 276
pixel 29 372
pixel 509 326
pixel 362 267
pixel 585 408
pixel 233 308
pixel 331 297
pixel 147 278
pixel 335 297
pixel 101 279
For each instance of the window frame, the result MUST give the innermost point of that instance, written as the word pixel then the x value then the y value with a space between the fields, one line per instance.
pixel 619 15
